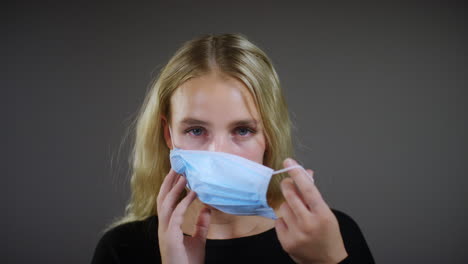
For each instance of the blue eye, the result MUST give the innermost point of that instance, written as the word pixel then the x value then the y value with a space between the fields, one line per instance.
pixel 195 131
pixel 243 131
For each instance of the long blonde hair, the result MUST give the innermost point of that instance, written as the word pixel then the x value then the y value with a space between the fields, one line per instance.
pixel 231 54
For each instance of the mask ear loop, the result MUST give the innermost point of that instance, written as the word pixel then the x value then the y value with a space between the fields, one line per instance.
pixel 294 167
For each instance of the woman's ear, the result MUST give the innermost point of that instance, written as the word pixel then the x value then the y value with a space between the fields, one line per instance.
pixel 167 135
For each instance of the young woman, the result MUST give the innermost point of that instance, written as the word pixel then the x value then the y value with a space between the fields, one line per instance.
pixel 221 94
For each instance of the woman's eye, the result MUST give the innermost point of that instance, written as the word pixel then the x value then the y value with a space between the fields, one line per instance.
pixel 195 131
pixel 243 131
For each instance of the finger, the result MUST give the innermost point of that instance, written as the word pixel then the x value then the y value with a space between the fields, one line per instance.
pixel 170 179
pixel 281 226
pixel 281 230
pixel 177 216
pixel 287 214
pixel 169 202
pixel 203 223
pixel 294 201
pixel 309 191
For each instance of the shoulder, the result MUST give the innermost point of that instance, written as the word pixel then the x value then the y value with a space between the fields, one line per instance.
pixel 349 229
pixel 133 231
pixel 128 239
pixel 344 220
pixel 353 238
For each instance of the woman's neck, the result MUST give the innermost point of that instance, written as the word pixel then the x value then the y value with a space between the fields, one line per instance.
pixel 225 226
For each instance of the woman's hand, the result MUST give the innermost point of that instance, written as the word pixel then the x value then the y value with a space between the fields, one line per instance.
pixel 307 229
pixel 175 247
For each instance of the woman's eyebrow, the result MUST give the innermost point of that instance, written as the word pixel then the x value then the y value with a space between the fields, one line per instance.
pixel 244 122
pixel 193 121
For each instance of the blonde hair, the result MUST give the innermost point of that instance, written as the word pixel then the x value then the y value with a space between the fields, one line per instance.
pixel 230 54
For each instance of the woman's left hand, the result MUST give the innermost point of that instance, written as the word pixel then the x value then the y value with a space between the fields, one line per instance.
pixel 307 229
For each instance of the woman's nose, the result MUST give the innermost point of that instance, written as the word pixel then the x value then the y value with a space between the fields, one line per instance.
pixel 219 144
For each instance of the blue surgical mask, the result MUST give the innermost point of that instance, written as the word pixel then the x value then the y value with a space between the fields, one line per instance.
pixel 227 182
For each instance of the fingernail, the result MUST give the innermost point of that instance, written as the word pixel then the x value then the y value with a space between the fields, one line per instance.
pixel 290 162
pixel 311 176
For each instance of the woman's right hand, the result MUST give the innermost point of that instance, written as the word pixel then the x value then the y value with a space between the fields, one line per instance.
pixel 175 247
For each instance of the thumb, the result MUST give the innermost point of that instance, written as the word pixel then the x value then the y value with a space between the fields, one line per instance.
pixel 203 223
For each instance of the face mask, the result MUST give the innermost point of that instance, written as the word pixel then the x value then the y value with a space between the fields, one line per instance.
pixel 229 183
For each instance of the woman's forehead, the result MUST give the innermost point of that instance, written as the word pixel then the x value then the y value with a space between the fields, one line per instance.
pixel 213 99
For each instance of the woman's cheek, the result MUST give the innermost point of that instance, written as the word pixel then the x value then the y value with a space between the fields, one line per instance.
pixel 253 150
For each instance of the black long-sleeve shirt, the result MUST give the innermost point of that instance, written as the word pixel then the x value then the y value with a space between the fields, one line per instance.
pixel 137 242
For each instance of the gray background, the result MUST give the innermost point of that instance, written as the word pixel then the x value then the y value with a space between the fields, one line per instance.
pixel 377 93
